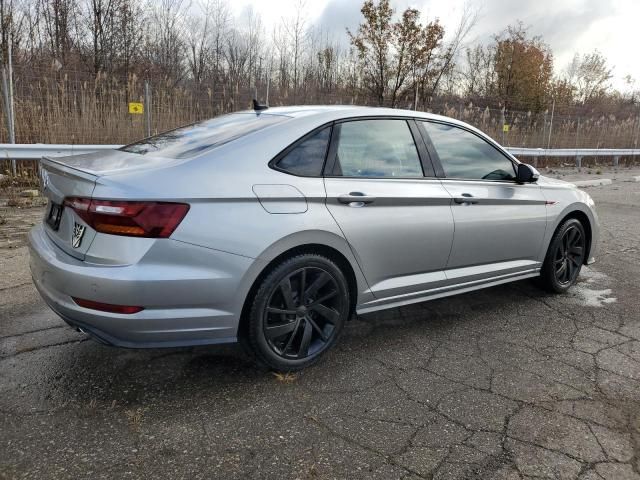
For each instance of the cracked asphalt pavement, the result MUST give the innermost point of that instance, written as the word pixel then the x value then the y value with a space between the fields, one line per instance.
pixel 505 383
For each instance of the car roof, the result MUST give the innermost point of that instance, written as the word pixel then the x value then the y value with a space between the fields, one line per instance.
pixel 336 112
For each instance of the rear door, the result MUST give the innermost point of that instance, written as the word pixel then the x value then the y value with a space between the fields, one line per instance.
pixel 397 221
pixel 499 224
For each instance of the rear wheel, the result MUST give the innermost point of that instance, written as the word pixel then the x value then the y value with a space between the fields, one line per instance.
pixel 298 312
pixel 565 257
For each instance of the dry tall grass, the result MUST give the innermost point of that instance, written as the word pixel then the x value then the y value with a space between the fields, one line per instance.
pixel 77 109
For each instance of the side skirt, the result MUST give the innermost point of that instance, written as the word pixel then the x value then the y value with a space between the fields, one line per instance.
pixel 449 290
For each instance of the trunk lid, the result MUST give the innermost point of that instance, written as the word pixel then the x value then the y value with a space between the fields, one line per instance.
pixel 76 176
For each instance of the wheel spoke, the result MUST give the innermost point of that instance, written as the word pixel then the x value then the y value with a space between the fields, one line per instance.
pixel 574 260
pixel 277 331
pixel 287 294
pixel 577 239
pixel 560 271
pixel 317 284
pixel 576 250
pixel 293 335
pixel 280 311
pixel 317 329
pixel 303 350
pixel 327 313
pixel 570 270
pixel 323 299
pixel 303 285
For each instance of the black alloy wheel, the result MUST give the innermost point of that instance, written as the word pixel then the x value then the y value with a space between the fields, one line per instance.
pixel 568 256
pixel 298 312
pixel 565 256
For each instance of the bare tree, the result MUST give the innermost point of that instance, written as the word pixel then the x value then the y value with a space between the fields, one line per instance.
pixel 296 31
pixel 60 22
pixel 590 75
pixel 166 40
pixel 198 41
pixel 131 30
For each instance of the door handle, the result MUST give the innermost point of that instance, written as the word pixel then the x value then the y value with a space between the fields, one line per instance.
pixel 356 199
pixel 465 199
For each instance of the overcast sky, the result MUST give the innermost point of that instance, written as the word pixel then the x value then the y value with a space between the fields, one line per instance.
pixel 568 26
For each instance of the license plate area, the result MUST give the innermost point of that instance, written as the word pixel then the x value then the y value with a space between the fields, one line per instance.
pixel 54 216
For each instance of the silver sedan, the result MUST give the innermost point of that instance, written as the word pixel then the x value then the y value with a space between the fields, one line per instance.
pixel 274 226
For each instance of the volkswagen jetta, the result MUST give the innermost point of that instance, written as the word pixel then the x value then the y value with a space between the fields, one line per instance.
pixel 274 226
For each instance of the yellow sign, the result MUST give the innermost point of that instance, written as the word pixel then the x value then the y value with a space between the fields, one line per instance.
pixel 136 108
pixel 505 127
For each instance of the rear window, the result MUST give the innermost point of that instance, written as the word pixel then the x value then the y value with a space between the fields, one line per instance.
pixel 185 142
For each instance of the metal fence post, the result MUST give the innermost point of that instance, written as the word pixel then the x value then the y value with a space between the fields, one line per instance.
pixel 616 161
pixel 578 161
pixel 147 108
pixel 6 97
pixel 553 111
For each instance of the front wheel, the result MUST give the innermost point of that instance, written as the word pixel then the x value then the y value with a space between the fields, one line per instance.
pixel 298 312
pixel 565 257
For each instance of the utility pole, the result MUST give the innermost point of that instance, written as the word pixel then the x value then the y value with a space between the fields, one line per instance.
pixel 147 108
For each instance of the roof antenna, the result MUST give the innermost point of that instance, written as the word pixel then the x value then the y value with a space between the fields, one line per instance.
pixel 259 107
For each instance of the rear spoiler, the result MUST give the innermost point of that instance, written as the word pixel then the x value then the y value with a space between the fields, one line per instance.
pixel 61 167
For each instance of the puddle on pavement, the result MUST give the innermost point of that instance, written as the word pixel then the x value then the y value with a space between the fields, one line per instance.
pixel 591 289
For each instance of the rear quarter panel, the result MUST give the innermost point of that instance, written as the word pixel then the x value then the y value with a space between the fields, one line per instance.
pixel 226 213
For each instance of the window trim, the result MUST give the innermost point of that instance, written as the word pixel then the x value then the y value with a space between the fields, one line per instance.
pixel 423 155
pixel 436 158
pixel 273 163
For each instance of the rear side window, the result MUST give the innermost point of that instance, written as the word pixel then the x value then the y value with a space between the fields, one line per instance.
pixel 307 157
pixel 185 142
pixel 465 155
pixel 376 148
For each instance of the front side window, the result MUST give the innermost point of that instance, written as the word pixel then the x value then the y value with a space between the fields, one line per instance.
pixel 465 155
pixel 376 148
pixel 307 157
pixel 185 142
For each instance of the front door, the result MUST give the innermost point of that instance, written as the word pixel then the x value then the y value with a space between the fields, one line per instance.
pixel 499 224
pixel 398 222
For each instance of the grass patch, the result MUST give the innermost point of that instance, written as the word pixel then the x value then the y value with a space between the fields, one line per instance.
pixel 285 377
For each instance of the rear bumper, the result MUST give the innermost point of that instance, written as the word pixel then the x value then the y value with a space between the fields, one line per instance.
pixel 190 294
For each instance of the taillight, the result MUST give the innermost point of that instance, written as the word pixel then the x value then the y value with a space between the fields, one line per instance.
pixel 133 219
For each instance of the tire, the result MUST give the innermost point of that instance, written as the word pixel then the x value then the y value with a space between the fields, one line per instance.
pixel 289 330
pixel 565 257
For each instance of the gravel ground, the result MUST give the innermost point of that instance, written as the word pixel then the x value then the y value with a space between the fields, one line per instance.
pixel 505 383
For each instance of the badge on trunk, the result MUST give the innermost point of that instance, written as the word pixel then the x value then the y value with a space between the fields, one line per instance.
pixel 44 180
pixel 78 232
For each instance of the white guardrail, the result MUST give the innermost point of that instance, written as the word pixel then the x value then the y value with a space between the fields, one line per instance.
pixel 37 151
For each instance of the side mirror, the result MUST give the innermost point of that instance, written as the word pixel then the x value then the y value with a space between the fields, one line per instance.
pixel 527 174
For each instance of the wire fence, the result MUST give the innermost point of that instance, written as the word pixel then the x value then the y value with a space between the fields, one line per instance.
pixel 72 108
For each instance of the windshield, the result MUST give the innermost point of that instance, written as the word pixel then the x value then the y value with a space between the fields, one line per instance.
pixel 188 141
